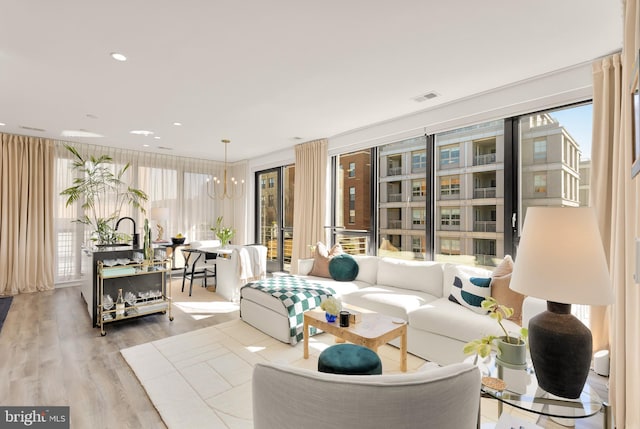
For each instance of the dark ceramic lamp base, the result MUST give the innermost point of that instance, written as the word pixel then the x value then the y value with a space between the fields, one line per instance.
pixel 561 348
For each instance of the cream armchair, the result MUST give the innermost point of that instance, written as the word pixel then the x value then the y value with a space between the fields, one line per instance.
pixel 294 398
pixel 237 266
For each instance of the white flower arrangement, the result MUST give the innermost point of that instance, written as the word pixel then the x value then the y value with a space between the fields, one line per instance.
pixel 331 305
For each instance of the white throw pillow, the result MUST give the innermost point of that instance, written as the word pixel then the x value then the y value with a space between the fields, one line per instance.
pixel 469 290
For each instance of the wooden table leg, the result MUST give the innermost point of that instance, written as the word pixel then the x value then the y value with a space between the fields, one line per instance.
pixel 403 350
pixel 305 332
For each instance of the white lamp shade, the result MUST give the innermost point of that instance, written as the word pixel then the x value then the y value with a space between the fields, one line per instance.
pixel 159 213
pixel 560 257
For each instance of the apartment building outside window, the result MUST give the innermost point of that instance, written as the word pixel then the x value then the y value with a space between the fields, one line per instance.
pixel 449 156
pixel 352 169
pixel 450 186
pixel 352 205
pixel 540 183
pixel 418 189
pixel 449 246
pixel 419 161
pixel 450 218
pixel 540 150
pixel 418 217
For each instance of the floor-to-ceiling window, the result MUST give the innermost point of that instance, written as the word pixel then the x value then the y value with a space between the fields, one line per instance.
pixel 352 198
pixel 274 206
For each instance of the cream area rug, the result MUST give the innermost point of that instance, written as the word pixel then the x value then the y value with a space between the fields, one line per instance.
pixel 203 378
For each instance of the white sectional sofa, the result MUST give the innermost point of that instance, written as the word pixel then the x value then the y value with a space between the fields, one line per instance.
pixel 417 291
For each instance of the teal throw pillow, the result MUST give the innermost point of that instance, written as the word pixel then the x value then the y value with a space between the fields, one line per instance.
pixel 343 268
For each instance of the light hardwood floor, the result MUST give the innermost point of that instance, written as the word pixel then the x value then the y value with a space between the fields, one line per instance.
pixel 50 355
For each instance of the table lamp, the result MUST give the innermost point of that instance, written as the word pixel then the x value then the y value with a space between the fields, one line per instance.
pixel 159 214
pixel 561 259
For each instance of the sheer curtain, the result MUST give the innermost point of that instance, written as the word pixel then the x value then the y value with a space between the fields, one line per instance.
pixel 310 198
pixel 26 209
pixel 176 183
pixel 616 198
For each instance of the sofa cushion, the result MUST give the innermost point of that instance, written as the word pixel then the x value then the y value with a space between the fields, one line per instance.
pixel 469 292
pixel 343 268
pixel 452 270
pixel 424 276
pixel 502 293
pixel 367 268
pixel 321 258
pixel 443 317
pixel 394 302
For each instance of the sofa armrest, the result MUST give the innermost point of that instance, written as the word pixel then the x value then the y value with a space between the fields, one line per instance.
pixel 531 307
pixel 305 266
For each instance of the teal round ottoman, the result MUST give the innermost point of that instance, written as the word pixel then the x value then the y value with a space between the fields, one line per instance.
pixel 349 359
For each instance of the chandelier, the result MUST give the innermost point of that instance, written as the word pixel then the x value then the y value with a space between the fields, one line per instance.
pixel 225 188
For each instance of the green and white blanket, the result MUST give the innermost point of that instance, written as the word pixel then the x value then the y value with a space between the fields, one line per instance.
pixel 297 295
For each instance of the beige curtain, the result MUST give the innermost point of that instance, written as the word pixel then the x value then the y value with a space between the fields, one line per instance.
pixel 310 198
pixel 616 198
pixel 26 215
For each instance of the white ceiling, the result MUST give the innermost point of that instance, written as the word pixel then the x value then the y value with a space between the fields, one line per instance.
pixel 271 74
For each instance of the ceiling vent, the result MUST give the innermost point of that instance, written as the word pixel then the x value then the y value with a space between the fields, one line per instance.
pixel 424 97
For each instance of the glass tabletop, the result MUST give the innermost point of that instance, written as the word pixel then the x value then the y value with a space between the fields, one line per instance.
pixel 522 391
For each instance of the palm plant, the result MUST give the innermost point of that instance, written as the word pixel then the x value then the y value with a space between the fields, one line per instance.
pixel 103 194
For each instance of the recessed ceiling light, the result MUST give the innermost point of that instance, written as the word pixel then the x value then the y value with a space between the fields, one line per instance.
pixel 118 56
pixel 90 116
pixel 2 124
pixel 80 133
pixel 145 133
pixel 157 137
pixel 177 124
pixel 145 145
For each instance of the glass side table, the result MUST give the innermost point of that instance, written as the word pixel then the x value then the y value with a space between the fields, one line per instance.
pixel 523 392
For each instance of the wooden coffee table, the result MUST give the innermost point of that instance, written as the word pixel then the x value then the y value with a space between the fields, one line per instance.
pixel 373 331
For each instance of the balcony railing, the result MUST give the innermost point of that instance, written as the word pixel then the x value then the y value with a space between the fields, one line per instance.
pixel 489 158
pixel 484 226
pixel 394 198
pixel 394 224
pixel 394 171
pixel 485 260
pixel 484 192
pixel 353 245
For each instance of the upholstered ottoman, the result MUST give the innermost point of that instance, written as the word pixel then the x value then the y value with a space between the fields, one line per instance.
pixel 349 359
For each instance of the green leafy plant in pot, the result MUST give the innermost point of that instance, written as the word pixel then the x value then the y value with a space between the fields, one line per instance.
pixel 223 233
pixel 511 349
pixel 102 193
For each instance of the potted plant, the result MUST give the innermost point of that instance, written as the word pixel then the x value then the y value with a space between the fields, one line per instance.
pixel 511 349
pixel 103 193
pixel 223 233
pixel 332 307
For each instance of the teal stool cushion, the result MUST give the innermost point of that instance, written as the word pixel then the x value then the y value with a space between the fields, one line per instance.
pixel 343 268
pixel 349 359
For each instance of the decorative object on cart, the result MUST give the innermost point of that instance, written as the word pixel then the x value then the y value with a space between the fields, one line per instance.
pixel 226 188
pixel 332 307
pixel 160 215
pixel 148 249
pixel 223 233
pixel 178 239
pixel 511 349
pixel 102 194
pixel 120 305
pixel 561 259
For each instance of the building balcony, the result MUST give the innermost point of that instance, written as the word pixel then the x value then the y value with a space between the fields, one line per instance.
pixel 394 224
pixel 488 158
pixel 485 260
pixel 484 192
pixel 394 198
pixel 394 171
pixel 484 226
